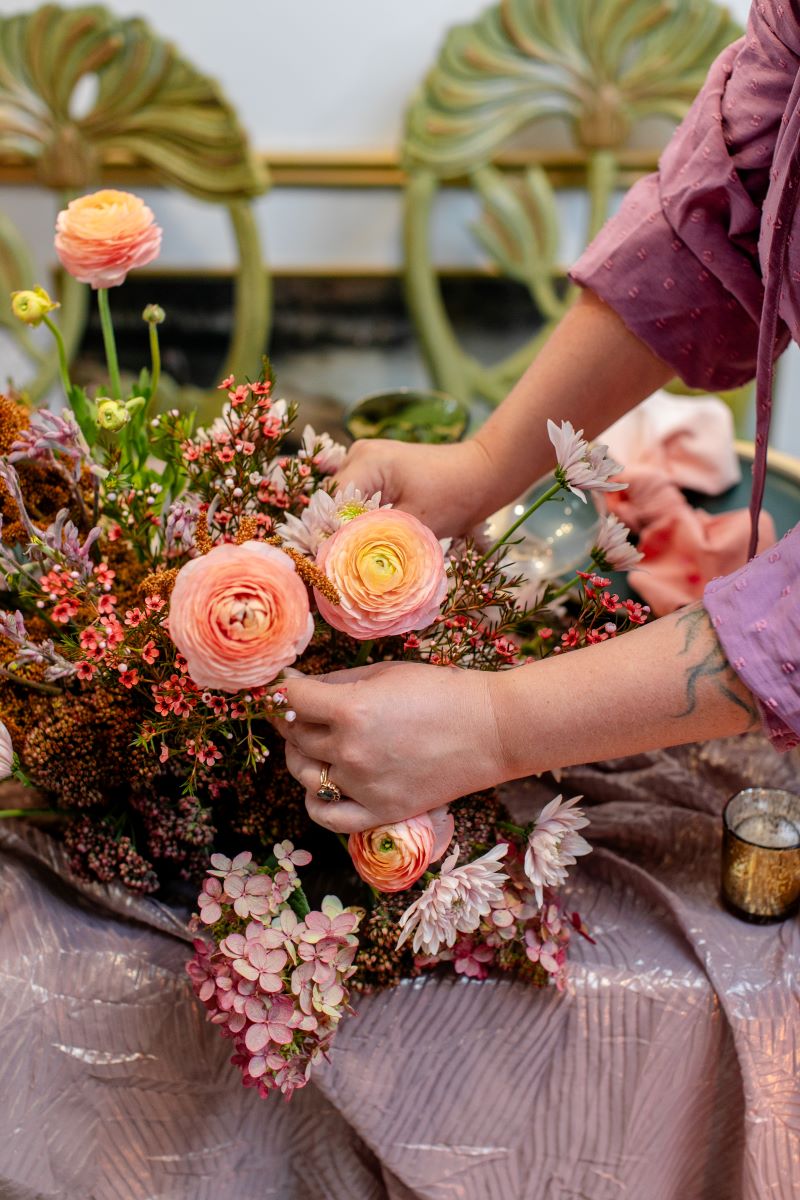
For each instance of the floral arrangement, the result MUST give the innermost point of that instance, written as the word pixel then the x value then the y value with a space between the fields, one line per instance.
pixel 158 580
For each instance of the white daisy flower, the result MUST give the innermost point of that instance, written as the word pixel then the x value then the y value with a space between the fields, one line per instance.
pixel 555 844
pixel 582 468
pixel 454 902
pixel 612 551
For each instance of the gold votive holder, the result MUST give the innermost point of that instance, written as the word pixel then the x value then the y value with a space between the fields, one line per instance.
pixel 761 854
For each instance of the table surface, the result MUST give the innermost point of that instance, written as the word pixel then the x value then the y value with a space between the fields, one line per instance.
pixel 668 1071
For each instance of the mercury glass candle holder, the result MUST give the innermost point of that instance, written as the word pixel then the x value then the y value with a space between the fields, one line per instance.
pixel 761 854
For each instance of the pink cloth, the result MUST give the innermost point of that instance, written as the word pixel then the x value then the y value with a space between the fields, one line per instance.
pixel 683 547
pixel 684 265
pixel 690 439
pixel 668 443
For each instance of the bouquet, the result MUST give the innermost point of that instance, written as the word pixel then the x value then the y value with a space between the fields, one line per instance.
pixel 158 581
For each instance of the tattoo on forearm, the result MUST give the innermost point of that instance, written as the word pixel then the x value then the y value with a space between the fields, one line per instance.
pixel 713 667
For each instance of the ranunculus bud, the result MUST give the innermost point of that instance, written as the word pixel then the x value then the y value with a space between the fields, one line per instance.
pixel 112 415
pixel 6 753
pixel 32 306
pixel 154 314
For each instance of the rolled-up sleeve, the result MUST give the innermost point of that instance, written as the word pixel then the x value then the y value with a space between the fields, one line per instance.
pixel 756 615
pixel 679 263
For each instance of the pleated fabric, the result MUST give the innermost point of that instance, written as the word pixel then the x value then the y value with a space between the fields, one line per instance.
pixel 668 1071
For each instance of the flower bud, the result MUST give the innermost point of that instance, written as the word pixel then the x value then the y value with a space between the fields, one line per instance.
pixel 32 306
pixel 112 415
pixel 154 314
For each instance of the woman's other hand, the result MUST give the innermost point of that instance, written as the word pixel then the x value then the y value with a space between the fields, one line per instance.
pixel 449 488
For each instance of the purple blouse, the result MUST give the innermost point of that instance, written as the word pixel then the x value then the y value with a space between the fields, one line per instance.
pixel 702 263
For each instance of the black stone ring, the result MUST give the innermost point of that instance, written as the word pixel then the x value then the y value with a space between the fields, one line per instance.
pixel 327 789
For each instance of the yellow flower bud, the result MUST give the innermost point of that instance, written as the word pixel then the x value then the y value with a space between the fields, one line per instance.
pixel 32 306
pixel 154 314
pixel 112 415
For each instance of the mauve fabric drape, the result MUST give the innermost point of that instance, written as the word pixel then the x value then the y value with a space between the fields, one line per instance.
pixel 667 1072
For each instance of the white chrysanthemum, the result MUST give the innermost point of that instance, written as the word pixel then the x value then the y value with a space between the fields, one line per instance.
pixel 581 467
pixel 555 844
pixel 612 551
pixel 454 902
pixel 320 448
pixel 323 515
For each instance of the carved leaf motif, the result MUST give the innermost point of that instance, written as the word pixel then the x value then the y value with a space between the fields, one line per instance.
pixel 150 105
pixel 601 64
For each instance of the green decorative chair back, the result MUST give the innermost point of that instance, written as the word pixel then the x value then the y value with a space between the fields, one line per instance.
pixel 151 109
pixel 603 67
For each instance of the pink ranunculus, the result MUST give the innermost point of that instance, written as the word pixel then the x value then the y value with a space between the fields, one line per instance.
pixel 389 571
pixel 239 615
pixel 392 858
pixel 103 236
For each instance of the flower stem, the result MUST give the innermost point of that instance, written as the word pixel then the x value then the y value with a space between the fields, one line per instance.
pixel 562 591
pixel 510 827
pixel 109 342
pixel 364 653
pixel 155 360
pixel 31 683
pixel 548 495
pixel 63 366
pixel 28 812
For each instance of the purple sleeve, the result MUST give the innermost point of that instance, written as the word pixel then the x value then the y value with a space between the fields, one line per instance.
pixel 756 615
pixel 679 263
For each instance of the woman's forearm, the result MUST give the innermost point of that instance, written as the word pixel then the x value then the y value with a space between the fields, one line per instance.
pixel 590 371
pixel 661 685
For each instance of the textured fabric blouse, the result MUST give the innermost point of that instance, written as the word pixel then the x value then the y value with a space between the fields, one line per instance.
pixel 702 263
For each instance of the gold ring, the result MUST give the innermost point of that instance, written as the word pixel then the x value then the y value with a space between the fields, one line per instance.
pixel 327 789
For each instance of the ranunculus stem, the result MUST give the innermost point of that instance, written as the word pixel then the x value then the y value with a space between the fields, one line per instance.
pixel 545 496
pixel 63 365
pixel 109 343
pixel 155 361
pixel 364 653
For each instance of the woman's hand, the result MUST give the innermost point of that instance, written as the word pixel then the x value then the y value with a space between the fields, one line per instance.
pixel 450 488
pixel 399 739
pixel 402 738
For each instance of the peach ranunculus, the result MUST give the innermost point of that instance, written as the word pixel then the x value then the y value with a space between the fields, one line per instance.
pixel 392 858
pixel 103 236
pixel 389 571
pixel 239 615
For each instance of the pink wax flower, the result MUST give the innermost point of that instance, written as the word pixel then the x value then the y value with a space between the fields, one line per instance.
pixel 103 236
pixel 392 858
pixel 239 615
pixel 389 570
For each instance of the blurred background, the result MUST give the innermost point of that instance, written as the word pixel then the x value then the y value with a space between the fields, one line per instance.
pixel 363 232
